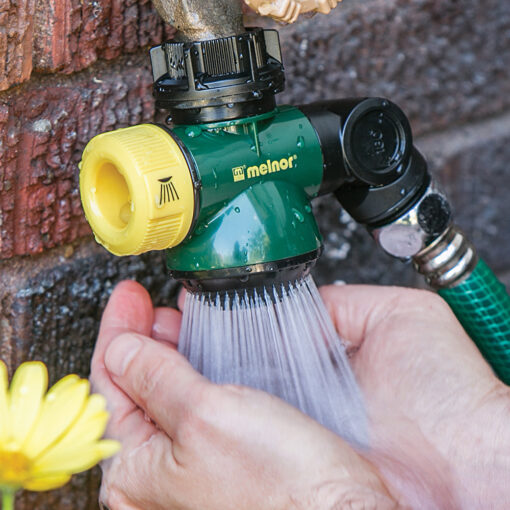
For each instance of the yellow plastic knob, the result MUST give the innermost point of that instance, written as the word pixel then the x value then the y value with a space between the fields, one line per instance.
pixel 136 190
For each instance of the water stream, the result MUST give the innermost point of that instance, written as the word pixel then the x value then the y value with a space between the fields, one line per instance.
pixel 281 340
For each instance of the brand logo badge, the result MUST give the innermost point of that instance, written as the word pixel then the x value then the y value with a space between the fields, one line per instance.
pixel 240 173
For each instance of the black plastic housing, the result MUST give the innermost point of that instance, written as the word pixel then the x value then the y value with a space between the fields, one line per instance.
pixel 220 79
pixel 369 159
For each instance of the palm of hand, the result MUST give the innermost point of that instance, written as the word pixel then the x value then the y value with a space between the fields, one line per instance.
pixel 435 406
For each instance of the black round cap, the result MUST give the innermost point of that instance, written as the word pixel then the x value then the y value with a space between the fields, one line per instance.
pixel 377 141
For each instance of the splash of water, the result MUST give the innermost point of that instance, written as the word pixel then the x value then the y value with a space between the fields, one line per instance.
pixel 280 340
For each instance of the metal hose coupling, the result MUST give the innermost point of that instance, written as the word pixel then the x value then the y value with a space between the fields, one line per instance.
pixel 426 235
pixel 448 261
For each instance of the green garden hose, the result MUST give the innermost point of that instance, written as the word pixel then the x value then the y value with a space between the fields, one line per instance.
pixel 482 305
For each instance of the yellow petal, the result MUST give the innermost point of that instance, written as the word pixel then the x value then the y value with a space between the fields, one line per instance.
pixel 61 407
pixel 4 403
pixel 47 483
pixel 75 460
pixel 27 389
pixel 89 426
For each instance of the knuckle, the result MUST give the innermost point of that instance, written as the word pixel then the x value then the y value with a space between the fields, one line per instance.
pixel 150 379
pixel 112 497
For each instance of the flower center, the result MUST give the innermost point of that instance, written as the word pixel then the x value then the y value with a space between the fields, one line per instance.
pixel 14 468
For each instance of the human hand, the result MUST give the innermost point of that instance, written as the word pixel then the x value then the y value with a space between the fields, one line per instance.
pixel 439 416
pixel 214 447
pixel 289 10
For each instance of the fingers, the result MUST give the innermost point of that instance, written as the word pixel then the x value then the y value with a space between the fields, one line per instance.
pixel 158 379
pixel 167 324
pixel 129 309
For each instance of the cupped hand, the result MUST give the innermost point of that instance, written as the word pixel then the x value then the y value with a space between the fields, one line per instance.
pixel 440 418
pixel 190 444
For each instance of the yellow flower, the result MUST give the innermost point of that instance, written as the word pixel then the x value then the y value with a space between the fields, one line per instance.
pixel 47 437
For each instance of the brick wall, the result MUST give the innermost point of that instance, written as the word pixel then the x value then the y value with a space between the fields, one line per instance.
pixel 70 69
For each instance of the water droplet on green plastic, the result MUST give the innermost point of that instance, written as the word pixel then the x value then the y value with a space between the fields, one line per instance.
pixel 298 215
pixel 308 209
pixel 193 131
pixel 300 142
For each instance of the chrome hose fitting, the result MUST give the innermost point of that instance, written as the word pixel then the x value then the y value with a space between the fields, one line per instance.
pixel 449 260
pixel 418 228
pixel 425 235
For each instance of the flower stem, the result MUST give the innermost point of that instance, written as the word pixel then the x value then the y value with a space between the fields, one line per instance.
pixel 8 499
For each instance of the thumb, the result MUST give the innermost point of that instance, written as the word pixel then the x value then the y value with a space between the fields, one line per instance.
pixel 156 378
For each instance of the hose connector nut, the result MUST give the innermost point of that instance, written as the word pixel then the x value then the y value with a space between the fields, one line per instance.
pixel 137 190
pixel 417 228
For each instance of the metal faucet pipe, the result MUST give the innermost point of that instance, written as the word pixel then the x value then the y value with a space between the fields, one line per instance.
pixel 199 20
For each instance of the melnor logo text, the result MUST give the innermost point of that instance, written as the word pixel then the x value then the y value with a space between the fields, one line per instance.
pixel 240 173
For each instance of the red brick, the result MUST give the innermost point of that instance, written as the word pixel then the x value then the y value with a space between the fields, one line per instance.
pixel 43 129
pixel 70 35
pixel 16 36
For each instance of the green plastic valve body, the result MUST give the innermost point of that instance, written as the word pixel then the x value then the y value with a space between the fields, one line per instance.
pixel 257 177
pixel 482 305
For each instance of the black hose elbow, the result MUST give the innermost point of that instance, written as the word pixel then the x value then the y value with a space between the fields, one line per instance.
pixel 369 159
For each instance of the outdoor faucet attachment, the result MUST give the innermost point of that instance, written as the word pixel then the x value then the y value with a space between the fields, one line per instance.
pixel 227 191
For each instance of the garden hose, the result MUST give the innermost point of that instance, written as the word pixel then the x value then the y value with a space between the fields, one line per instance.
pixel 482 305
pixel 451 266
